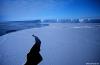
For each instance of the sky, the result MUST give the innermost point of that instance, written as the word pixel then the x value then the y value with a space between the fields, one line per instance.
pixel 16 10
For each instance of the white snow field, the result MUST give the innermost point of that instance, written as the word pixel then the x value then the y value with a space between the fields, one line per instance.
pixel 61 45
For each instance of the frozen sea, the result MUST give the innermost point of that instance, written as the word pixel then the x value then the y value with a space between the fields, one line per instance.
pixel 62 44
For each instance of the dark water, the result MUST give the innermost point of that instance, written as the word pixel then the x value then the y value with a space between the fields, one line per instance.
pixel 7 27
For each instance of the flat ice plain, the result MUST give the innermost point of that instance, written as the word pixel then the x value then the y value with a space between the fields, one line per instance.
pixel 62 44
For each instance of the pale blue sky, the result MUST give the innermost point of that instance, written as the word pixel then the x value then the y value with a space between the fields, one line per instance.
pixel 48 9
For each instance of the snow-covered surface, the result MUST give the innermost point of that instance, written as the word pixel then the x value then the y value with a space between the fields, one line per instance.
pixel 61 45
